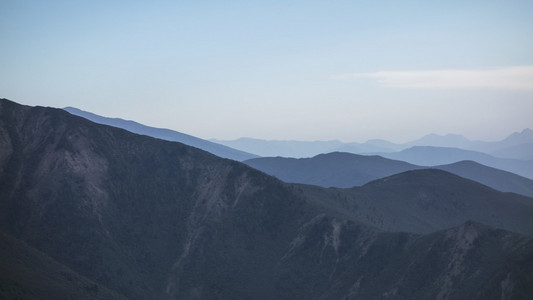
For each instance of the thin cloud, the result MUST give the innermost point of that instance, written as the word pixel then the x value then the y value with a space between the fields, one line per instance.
pixel 513 78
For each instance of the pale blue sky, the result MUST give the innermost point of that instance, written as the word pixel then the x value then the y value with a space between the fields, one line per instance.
pixel 305 70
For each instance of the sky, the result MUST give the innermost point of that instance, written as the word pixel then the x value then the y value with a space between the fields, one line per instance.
pixel 298 70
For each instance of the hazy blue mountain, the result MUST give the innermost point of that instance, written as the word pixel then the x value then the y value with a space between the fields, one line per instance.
pixel 384 144
pixel 336 169
pixel 165 134
pixel 433 156
pixel 344 170
pixel 152 219
pixel 362 148
pixel 495 178
pixel 281 148
pixel 516 146
pixel 522 151
pixel 435 140
pixel 516 139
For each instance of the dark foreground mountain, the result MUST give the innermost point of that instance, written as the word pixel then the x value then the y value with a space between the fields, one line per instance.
pixel 151 219
pixel 346 170
pixel 165 134
pixel 30 274
pixel 426 200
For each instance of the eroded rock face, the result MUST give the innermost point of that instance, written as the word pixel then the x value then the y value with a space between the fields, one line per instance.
pixel 153 219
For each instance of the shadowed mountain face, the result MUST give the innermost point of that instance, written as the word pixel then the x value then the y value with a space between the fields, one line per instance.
pixel 149 219
pixel 165 134
pixel 423 201
pixel 30 274
pixel 348 170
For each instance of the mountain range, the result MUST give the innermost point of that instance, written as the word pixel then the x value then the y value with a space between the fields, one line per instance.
pixel 518 145
pixel 434 156
pixel 423 201
pixel 106 213
pixel 165 134
pixel 346 170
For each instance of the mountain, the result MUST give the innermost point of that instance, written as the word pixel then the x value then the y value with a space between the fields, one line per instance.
pixel 435 140
pixel 522 151
pixel 364 265
pixel 497 179
pixel 305 149
pixel 515 146
pixel 336 169
pixel 426 200
pixel 433 156
pixel 30 274
pixel 516 139
pixel 165 134
pixel 152 219
pixel 343 170
pixel 281 148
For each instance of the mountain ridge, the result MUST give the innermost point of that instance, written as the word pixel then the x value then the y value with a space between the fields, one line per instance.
pixel 149 218
pixel 433 156
pixel 292 148
pixel 345 170
pixel 165 134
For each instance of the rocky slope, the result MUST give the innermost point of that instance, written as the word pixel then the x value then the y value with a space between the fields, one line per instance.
pixel 151 219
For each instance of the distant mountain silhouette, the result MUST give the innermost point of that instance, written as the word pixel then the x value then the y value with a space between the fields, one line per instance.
pixel 522 151
pixel 433 156
pixel 435 140
pixel 152 219
pixel 165 134
pixel 345 170
pixel 281 148
pixel 516 146
pixel 459 141
pixel 336 169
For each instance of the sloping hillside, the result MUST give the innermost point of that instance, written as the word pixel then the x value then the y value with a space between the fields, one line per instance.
pixel 147 218
pixel 346 170
pixel 165 134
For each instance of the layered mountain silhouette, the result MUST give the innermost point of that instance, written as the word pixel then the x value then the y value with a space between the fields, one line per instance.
pixel 346 170
pixel 433 156
pixel 518 145
pixel 137 217
pixel 165 134
pixel 337 169
pixel 282 148
pixel 458 141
